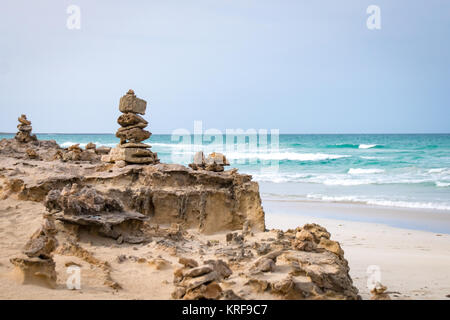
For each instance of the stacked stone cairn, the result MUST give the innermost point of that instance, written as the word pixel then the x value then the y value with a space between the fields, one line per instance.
pixel 131 150
pixel 24 133
pixel 214 162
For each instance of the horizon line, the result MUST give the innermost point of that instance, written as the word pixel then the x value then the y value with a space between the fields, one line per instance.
pixel 351 133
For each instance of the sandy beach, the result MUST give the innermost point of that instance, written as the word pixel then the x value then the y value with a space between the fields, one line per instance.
pixel 414 264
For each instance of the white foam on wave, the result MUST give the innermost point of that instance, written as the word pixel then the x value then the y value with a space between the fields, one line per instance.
pixel 381 202
pixel 279 178
pixel 293 156
pixel 367 146
pixel 347 182
pixel 364 171
pixel 343 179
pixel 437 170
pixel 185 146
pixel 442 184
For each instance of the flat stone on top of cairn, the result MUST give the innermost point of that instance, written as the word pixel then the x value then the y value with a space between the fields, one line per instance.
pixel 24 133
pixel 132 133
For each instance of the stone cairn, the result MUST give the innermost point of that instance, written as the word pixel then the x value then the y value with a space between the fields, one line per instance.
pixel 214 162
pixel 24 133
pixel 131 134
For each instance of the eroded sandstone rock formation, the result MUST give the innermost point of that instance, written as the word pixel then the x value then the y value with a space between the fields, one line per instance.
pixel 36 264
pixel 88 208
pixel 132 133
pixel 202 226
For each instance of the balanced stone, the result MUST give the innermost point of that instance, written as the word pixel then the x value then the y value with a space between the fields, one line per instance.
pixel 133 155
pixel 129 119
pixel 24 128
pixel 134 145
pixel 23 120
pixel 130 103
pixel 132 135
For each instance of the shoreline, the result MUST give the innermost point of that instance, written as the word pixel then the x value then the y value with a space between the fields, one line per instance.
pixel 429 220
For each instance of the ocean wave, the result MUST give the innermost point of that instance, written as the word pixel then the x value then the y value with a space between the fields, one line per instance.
pixel 381 202
pixel 277 178
pixel 347 180
pixel 438 170
pixel 364 171
pixel 367 146
pixel 442 184
pixel 355 146
pixel 186 146
pixel 293 156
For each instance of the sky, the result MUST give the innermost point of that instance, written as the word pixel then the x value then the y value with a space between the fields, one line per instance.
pixel 298 66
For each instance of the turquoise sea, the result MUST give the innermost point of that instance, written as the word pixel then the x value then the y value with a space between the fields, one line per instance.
pixel 393 170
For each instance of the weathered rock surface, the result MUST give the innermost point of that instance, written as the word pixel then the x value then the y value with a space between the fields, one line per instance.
pixel 35 271
pixel 88 208
pixel 379 292
pixel 214 162
pixel 208 201
pixel 42 243
pixel 193 283
pixel 131 155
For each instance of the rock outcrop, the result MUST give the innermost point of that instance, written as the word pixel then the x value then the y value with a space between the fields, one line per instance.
pixel 379 292
pixel 35 271
pixel 44 150
pixel 165 193
pixel 131 134
pixel 283 272
pixel 193 282
pixel 76 153
pixel 36 264
pixel 24 133
pixel 214 162
pixel 88 208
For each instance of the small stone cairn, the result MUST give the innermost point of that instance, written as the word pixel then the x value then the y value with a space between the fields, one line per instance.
pixel 214 162
pixel 24 133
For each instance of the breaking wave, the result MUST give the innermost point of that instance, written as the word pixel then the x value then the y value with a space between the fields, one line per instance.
pixel 364 171
pixel 355 146
pixel 293 156
pixel 380 202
